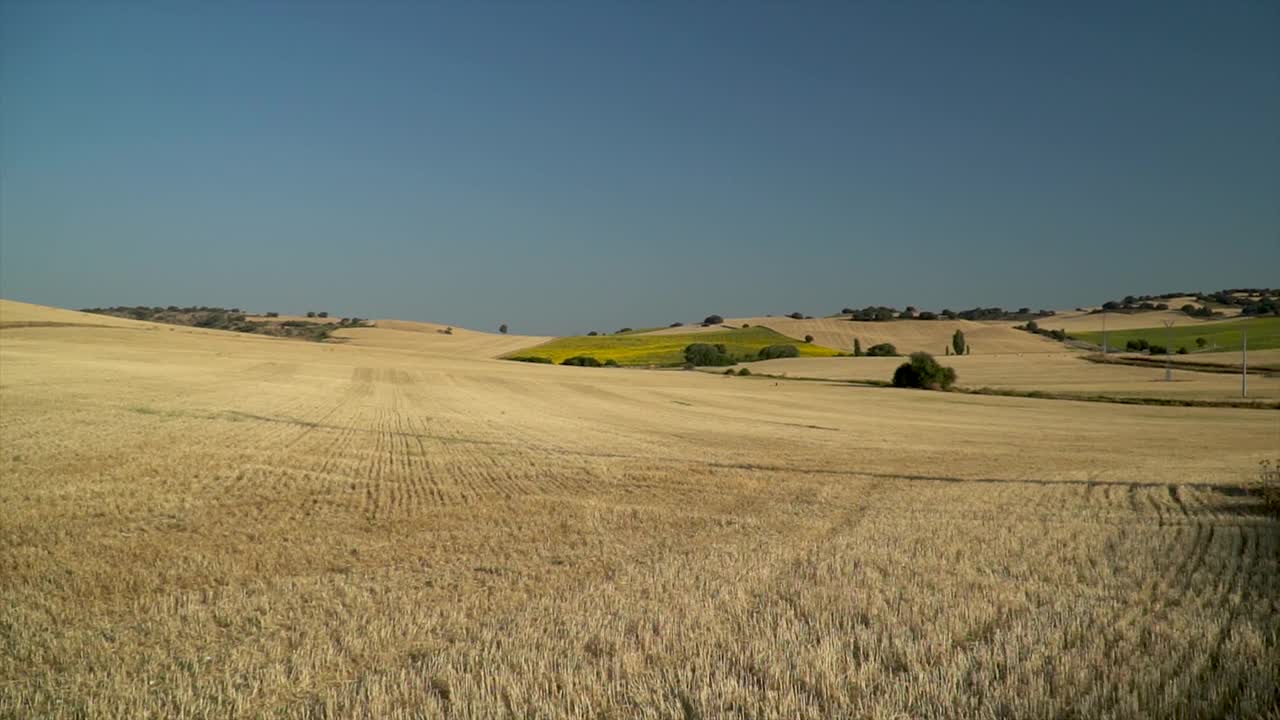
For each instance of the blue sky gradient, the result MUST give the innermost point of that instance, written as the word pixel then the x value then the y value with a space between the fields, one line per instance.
pixel 565 166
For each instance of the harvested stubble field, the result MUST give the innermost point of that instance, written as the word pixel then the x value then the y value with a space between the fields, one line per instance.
pixel 220 525
pixel 1068 373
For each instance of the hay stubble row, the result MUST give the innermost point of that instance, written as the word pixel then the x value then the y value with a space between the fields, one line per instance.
pixel 205 525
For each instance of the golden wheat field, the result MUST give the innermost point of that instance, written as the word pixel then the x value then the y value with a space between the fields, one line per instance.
pixel 199 524
pixel 1061 372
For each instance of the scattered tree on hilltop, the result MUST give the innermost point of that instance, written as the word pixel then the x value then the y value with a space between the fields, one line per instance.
pixel 712 320
pixel 502 328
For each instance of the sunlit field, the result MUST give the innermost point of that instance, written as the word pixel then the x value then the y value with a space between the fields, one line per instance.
pixel 667 349
pixel 203 524
pixel 1263 334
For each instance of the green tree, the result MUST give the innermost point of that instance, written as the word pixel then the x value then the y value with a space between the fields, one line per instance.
pixel 706 355
pixel 957 342
pixel 771 352
pixel 922 371
pixel 857 347
pixel 502 328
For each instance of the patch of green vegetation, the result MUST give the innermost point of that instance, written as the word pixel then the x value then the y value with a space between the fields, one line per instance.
pixel 1264 334
pixel 667 350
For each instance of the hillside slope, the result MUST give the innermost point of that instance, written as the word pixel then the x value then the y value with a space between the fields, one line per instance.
pixel 432 338
pixel 907 336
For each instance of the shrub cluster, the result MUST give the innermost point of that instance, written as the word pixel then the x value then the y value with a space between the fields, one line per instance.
pixel 1033 327
pixel 771 352
pixel 582 361
pixel 882 350
pixel 707 355
pixel 922 371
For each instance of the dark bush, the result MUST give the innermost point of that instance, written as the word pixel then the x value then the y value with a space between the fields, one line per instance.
pixel 533 359
pixel 611 363
pixel 623 330
pixel 712 320
pixel 882 350
pixel 857 347
pixel 771 352
pixel 593 333
pixel 1157 350
pixel 322 314
pixel 808 338
pixel 922 371
pixel 957 342
pixel 582 361
pixel 1201 342
pixel 744 371
pixel 705 355
pixel 1182 350
pixel 311 313
pixel 273 314
pixel 1137 345
pixel 926 315
pixel 796 316
pixel 676 324
pixel 502 328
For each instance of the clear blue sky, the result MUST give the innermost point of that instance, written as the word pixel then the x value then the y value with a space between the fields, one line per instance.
pixel 564 166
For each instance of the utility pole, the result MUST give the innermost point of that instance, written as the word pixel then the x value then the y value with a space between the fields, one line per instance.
pixel 1168 350
pixel 1244 362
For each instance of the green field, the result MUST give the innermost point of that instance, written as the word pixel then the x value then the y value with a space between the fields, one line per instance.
pixel 632 349
pixel 1264 334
